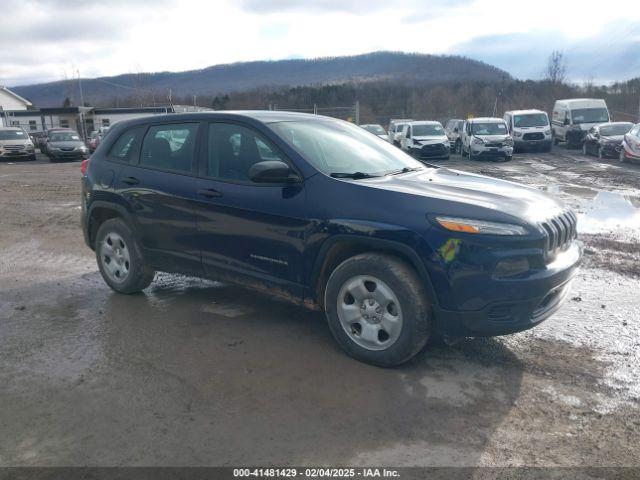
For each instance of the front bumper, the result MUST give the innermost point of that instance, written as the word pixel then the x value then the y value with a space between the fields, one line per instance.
pixel 519 142
pixel 489 151
pixel 6 155
pixel 438 150
pixel 511 305
pixel 64 155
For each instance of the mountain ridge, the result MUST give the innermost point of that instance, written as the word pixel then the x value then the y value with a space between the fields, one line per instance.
pixel 243 76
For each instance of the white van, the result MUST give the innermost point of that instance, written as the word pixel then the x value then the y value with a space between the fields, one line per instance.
pixel 572 119
pixel 425 139
pixel 396 125
pixel 529 129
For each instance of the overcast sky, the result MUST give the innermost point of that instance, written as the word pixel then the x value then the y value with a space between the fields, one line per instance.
pixel 44 40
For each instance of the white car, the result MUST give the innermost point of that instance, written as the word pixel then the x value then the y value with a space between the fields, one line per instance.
pixel 425 139
pixel 529 129
pixel 376 130
pixel 486 137
pixel 572 119
pixel 395 129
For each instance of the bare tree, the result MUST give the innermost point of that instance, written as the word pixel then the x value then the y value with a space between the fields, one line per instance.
pixel 556 70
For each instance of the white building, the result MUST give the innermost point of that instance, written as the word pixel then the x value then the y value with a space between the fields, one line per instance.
pixel 12 101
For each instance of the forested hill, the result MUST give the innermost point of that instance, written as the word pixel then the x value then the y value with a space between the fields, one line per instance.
pixel 391 66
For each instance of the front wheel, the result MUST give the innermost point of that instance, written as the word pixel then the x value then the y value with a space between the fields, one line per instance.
pixel 377 309
pixel 120 259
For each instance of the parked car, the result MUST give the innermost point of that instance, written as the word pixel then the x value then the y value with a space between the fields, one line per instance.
pixel 92 143
pixel 392 250
pixel 65 145
pixel 15 143
pixel 452 130
pixel 43 148
pixel 605 140
pixel 630 147
pixel 486 138
pixel 395 129
pixel 572 119
pixel 529 129
pixel 37 138
pixel 376 130
pixel 425 139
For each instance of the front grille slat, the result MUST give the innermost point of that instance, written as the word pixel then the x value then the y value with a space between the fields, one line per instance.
pixel 560 231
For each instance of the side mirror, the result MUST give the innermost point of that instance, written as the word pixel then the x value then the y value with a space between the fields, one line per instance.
pixel 456 130
pixel 566 121
pixel 272 171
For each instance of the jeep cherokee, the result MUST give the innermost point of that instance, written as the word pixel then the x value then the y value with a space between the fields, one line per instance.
pixel 321 212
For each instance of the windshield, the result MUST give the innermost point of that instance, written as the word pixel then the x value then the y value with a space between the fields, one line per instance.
pixel 531 120
pixel 12 135
pixel 64 137
pixel 489 128
pixel 400 127
pixel 377 129
pixel 427 130
pixel 612 130
pixel 340 147
pixel 590 115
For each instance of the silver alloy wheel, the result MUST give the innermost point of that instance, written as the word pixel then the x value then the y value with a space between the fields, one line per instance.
pixel 114 255
pixel 369 312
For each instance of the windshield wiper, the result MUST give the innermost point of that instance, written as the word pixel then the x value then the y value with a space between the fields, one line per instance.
pixel 404 170
pixel 353 175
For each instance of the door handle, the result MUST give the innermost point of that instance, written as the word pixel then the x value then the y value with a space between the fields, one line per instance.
pixel 209 193
pixel 130 180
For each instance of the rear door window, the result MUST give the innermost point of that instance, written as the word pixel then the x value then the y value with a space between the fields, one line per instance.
pixel 170 147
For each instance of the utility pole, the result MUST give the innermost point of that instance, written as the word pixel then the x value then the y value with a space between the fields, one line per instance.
pixel 357 112
pixel 82 125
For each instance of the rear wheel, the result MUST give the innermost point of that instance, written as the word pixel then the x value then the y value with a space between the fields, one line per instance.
pixel 120 259
pixel 377 309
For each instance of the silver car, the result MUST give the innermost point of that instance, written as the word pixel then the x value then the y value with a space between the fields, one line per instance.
pixel 66 145
pixel 15 143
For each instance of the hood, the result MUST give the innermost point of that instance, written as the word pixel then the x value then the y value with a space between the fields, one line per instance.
pixel 526 203
pixel 614 138
pixel 426 140
pixel 68 144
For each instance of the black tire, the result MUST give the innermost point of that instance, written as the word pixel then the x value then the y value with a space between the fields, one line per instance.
pixel 508 158
pixel 32 157
pixel 458 148
pixel 413 303
pixel 139 275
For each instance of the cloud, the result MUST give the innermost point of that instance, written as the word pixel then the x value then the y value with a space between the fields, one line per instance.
pixel 604 57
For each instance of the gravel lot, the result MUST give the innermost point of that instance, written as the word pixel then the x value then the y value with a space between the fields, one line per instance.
pixel 197 373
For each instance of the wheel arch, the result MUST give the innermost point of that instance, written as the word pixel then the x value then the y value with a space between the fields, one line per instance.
pixel 101 211
pixel 339 248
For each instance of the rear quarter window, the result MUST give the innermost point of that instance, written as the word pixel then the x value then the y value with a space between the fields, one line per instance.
pixel 126 146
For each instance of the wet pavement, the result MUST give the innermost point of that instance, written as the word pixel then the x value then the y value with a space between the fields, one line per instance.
pixel 198 373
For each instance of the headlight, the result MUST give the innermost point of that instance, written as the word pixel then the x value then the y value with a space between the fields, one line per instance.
pixel 478 141
pixel 547 132
pixel 446 143
pixel 468 225
pixel 517 134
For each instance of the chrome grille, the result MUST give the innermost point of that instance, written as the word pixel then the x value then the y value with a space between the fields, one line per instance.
pixel 14 148
pixel 560 231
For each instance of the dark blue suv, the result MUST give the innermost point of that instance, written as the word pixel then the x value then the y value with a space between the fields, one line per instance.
pixel 323 213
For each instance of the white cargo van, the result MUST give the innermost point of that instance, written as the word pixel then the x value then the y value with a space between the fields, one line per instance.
pixel 572 119
pixel 529 129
